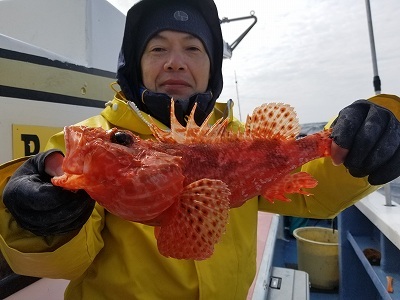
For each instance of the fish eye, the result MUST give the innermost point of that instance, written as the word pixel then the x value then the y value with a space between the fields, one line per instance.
pixel 121 138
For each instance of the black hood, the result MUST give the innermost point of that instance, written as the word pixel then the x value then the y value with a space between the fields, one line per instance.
pixel 128 73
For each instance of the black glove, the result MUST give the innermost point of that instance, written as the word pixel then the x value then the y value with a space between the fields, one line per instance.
pixel 371 133
pixel 39 206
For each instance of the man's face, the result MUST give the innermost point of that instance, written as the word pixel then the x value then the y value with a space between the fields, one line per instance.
pixel 175 63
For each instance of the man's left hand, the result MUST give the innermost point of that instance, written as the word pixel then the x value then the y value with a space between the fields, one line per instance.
pixel 367 141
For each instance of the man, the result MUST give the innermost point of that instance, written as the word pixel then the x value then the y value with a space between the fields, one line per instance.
pixel 173 49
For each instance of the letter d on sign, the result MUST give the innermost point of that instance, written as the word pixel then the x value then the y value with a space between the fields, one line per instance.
pixel 30 139
pixel 27 139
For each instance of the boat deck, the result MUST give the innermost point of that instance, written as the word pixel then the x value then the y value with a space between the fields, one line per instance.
pixel 286 257
pixel 283 255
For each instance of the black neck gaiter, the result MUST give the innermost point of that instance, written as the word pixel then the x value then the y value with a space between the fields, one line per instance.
pixel 158 105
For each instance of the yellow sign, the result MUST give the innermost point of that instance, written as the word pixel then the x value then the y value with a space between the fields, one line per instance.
pixel 29 140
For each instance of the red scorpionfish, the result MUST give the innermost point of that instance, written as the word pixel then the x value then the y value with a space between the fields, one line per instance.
pixel 185 181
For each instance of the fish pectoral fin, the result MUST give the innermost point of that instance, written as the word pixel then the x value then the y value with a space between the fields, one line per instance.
pixel 199 223
pixel 290 184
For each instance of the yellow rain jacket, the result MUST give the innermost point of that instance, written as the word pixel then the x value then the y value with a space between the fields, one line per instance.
pixel 110 258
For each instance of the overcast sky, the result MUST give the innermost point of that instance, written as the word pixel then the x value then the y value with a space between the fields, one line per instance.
pixel 312 54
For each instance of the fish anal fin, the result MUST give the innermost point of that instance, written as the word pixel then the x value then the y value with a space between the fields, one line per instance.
pixel 290 184
pixel 199 223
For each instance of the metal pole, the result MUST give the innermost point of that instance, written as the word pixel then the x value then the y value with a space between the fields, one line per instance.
pixel 377 84
pixel 376 81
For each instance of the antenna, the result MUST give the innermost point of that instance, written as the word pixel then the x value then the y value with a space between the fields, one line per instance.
pixel 237 96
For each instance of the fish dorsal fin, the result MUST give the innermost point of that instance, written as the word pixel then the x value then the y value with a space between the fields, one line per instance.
pixel 273 120
pixel 192 133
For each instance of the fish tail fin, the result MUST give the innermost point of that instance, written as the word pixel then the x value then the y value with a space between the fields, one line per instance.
pixel 200 221
pixel 290 184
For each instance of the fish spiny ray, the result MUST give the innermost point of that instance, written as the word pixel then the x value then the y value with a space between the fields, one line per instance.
pixel 216 132
pixel 192 133
pixel 195 133
pixel 175 135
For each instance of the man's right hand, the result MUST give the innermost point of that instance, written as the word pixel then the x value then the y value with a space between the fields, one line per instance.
pixel 39 206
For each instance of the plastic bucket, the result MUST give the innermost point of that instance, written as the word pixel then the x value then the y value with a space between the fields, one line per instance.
pixel 318 255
